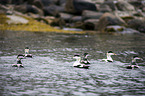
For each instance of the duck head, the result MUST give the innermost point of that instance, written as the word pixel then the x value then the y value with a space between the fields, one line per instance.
pixel 27 50
pixel 134 58
pixel 85 55
pixel 77 57
pixel 110 53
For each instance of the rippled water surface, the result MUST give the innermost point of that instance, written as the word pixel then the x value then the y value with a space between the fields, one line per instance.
pixel 50 71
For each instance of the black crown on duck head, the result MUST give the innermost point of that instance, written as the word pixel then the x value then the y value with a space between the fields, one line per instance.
pixel 85 54
pixel 110 51
pixel 76 55
pixel 135 56
pixel 26 47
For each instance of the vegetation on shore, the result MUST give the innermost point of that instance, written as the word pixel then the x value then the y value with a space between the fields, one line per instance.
pixel 32 26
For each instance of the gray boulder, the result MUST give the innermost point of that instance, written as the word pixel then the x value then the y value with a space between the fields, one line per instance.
pixel 124 6
pixel 90 24
pixel 111 4
pixel 138 4
pixel 98 1
pixel 114 28
pixel 61 2
pixel 104 8
pixel 38 4
pixel 108 19
pixel 77 6
pixel 129 31
pixel 65 16
pixel 53 10
pixel 21 8
pixel 16 2
pixel 48 2
pixel 5 2
pixel 76 19
pixel 38 11
pixel 120 29
pixel 138 24
pixel 125 15
pixel 28 8
pixel 87 14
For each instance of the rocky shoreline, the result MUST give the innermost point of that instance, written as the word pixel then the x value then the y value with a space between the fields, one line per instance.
pixel 93 15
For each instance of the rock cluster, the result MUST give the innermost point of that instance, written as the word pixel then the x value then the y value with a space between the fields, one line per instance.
pixel 95 15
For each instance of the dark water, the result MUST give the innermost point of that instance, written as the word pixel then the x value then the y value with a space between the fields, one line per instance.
pixel 50 72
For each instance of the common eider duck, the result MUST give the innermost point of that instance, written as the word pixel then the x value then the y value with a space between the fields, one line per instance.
pixel 19 63
pixel 133 63
pixel 85 59
pixel 78 64
pixel 21 56
pixel 27 53
pixel 109 58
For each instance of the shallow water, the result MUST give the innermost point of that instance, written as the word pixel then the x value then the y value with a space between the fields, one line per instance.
pixel 50 71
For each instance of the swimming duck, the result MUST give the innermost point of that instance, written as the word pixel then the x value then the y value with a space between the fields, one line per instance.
pixel 133 63
pixel 27 53
pixel 85 59
pixel 109 58
pixel 78 64
pixel 19 63
pixel 21 56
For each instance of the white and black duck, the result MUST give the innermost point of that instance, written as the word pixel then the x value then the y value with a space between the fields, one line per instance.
pixel 19 63
pixel 133 63
pixel 21 56
pixel 27 53
pixel 78 63
pixel 85 59
pixel 109 58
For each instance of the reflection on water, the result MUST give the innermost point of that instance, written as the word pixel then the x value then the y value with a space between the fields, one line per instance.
pixel 50 72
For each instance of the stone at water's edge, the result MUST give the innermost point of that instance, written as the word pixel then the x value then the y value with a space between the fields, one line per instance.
pixel 16 20
pixel 114 28
pixel 109 19
pixel 90 24
pixel 138 24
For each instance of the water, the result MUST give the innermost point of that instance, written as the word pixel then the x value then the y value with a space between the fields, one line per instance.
pixel 50 71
